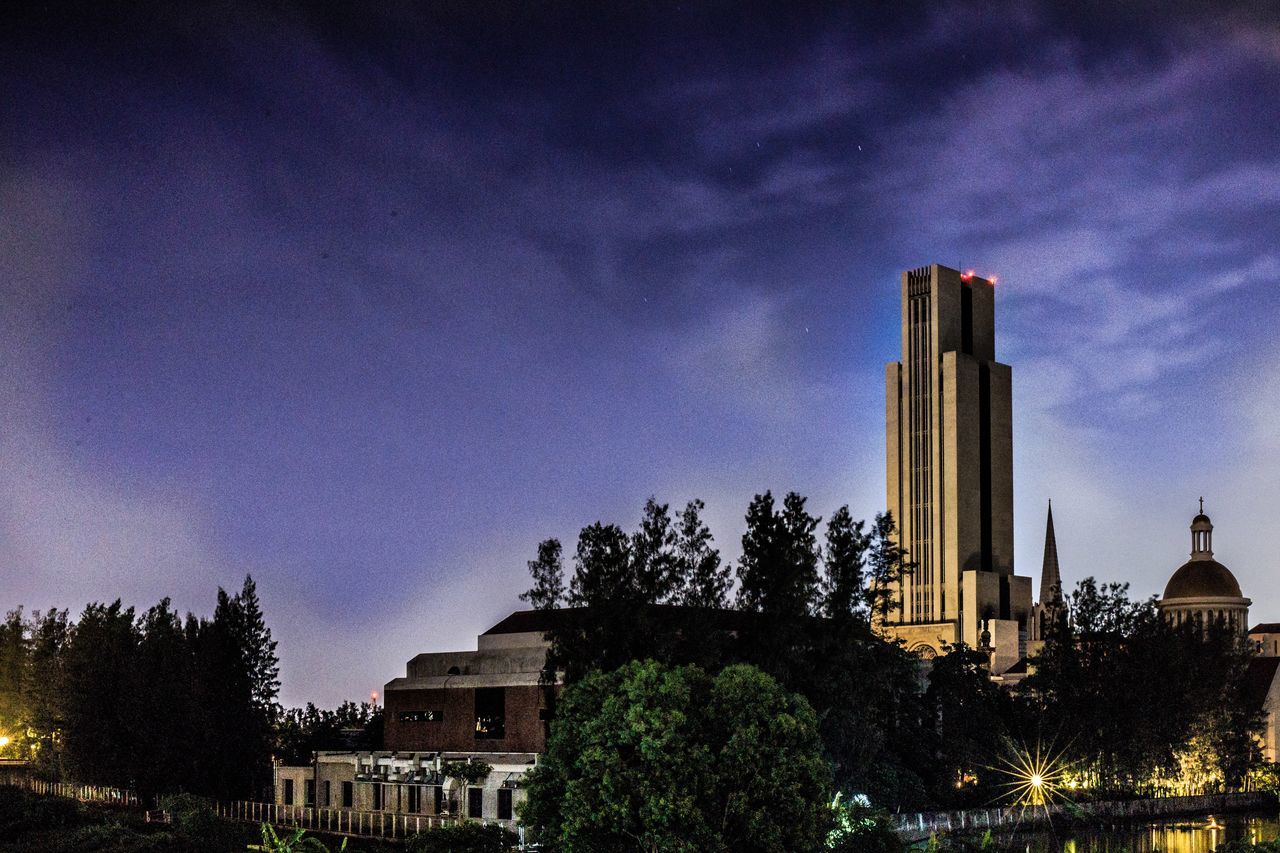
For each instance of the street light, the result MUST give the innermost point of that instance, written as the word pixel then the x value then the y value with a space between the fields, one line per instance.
pixel 4 741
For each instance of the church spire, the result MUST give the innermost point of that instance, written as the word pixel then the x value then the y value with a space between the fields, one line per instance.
pixel 1050 580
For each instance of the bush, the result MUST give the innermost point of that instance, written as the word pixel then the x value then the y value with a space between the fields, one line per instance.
pixel 463 838
pixel 22 812
pixel 862 829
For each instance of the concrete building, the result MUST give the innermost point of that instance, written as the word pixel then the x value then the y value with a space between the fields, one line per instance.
pixel 1203 590
pixel 949 447
pixel 488 705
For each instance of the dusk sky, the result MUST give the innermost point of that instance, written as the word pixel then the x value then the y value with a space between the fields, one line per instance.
pixel 367 305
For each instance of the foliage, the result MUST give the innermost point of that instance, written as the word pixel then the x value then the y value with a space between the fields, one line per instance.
pixel 301 731
pixel 1138 699
pixel 151 702
pixel 547 571
pixel 651 757
pixel 467 772
pixel 467 837
pixel 292 842
pixel 807 622
pixel 858 828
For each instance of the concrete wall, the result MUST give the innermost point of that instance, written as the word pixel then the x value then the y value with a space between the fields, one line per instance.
pixel 456 731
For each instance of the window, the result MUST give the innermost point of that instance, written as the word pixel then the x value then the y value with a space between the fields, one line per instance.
pixel 288 792
pixel 491 712
pixel 504 804
pixel 377 797
pixel 348 794
pixel 413 799
pixel 438 798
pixel 431 716
pixel 475 802
pixel 309 792
pixel 328 790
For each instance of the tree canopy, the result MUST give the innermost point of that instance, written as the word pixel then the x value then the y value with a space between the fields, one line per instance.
pixel 656 758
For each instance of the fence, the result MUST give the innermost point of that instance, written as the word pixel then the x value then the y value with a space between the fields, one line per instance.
pixel 83 793
pixel 337 821
pixel 388 825
pixel 924 824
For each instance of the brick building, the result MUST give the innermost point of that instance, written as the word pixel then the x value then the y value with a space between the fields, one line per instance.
pixel 488 705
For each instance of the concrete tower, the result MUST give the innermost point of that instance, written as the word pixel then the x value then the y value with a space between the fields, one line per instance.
pixel 949 425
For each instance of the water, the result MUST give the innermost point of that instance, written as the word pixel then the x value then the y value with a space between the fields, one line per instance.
pixel 1175 835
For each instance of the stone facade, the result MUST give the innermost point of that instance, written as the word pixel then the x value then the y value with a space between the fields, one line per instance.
pixel 949 448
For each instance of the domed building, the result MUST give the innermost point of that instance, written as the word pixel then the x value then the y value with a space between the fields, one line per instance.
pixel 1203 590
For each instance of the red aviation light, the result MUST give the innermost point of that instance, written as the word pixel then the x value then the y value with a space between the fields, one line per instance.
pixel 992 280
pixel 966 275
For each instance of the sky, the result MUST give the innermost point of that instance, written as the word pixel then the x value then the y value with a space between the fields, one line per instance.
pixel 367 303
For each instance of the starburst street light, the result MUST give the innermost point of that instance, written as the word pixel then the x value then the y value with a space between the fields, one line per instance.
pixel 1036 777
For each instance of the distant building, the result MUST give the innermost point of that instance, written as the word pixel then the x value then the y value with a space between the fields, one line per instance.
pixel 487 705
pixel 1203 590
pixel 949 448
pixel 1051 601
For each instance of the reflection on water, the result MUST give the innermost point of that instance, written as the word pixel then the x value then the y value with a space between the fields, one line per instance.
pixel 1183 835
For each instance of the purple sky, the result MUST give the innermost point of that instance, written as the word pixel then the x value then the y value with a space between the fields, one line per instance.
pixel 369 305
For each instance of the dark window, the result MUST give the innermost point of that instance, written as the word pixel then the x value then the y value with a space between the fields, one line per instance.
pixel 309 792
pixel 413 799
pixel 475 802
pixel 377 797
pixel 544 714
pixel 437 798
pixel 453 670
pixel 491 713
pixel 348 794
pixel 431 716
pixel 288 792
pixel 328 791
pixel 504 804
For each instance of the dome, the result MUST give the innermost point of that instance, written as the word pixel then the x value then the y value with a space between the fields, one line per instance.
pixel 1201 578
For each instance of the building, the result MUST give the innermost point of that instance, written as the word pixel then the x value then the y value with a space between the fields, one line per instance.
pixel 949 448
pixel 489 705
pixel 1051 600
pixel 1203 590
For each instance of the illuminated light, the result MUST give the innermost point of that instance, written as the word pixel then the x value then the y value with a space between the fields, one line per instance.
pixel 4 741
pixel 1037 777
pixel 992 279
pixel 966 275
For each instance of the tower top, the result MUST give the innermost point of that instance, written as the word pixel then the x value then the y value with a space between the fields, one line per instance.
pixel 1201 536
pixel 1050 578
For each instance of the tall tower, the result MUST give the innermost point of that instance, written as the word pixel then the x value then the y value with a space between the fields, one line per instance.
pixel 949 425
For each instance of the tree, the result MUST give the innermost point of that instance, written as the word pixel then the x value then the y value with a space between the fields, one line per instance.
pixel 547 572
pixel 887 563
pixel 100 723
pixel 15 653
pixel 466 774
pixel 778 569
pixel 162 703
pixel 46 697
pixel 1136 697
pixel 653 554
pixel 844 561
pixel 701 578
pixel 655 758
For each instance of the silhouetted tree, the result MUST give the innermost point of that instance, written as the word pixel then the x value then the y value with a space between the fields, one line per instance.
pixel 547 572
pixel 702 580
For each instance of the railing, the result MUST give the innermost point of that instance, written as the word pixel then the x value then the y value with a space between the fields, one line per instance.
pixel 923 824
pixel 83 793
pixel 364 824
pixel 335 821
